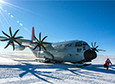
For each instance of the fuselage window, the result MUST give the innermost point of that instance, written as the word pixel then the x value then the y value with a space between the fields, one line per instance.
pixel 84 48
pixel 79 49
pixel 85 44
pixel 78 44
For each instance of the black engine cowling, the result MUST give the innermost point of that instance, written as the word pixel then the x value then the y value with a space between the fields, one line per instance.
pixel 89 55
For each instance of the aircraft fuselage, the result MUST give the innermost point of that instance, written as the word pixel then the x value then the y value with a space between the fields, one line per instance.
pixel 68 51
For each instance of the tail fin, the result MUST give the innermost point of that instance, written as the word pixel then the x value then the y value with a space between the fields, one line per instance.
pixel 32 37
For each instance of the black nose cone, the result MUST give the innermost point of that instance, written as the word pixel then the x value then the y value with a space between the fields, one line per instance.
pixel 89 55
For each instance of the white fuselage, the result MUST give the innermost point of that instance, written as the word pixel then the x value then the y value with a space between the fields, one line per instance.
pixel 68 51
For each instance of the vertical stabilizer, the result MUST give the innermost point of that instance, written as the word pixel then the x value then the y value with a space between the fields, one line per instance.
pixel 32 37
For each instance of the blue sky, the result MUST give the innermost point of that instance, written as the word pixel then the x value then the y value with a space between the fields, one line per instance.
pixel 90 21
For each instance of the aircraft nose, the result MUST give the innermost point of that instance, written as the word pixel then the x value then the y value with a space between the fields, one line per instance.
pixel 89 55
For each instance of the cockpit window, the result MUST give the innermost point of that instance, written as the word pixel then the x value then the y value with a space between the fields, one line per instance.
pixel 85 44
pixel 84 48
pixel 78 44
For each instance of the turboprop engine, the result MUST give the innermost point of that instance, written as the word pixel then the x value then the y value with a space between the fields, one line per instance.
pixel 19 48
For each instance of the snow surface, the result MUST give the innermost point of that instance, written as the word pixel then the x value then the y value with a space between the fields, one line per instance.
pixel 21 68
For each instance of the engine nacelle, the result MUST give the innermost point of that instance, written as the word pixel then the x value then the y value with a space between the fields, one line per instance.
pixel 20 48
pixel 45 54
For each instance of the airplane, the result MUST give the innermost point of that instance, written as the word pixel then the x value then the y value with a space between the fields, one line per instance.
pixel 77 52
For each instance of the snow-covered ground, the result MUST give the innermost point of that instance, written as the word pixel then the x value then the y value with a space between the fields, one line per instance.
pixel 21 68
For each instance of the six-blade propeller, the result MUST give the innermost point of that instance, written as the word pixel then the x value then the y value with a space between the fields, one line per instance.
pixel 11 38
pixel 40 42
pixel 94 47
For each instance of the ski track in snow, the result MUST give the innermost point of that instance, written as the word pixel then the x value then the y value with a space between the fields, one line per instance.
pixel 21 68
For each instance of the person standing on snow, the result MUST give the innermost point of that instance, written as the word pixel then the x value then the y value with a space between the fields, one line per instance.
pixel 107 62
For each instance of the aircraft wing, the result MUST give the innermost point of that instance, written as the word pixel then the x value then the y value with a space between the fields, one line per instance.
pixel 25 41
pixel 30 42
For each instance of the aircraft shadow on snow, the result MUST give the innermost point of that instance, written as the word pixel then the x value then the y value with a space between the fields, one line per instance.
pixel 31 68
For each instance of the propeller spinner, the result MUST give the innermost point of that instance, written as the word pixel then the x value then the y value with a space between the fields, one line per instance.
pixel 11 38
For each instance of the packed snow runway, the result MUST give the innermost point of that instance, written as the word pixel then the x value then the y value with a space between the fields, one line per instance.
pixel 21 68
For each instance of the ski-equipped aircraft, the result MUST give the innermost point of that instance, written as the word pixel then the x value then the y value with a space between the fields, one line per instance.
pixel 75 51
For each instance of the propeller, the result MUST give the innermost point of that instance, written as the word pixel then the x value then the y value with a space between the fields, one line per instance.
pixel 40 42
pixel 94 47
pixel 11 38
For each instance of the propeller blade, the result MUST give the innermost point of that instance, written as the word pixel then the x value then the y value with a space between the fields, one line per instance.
pixel 40 48
pixel 18 37
pixel 5 39
pixel 13 45
pixel 36 38
pixel 40 36
pixel 17 42
pixel 101 50
pixel 96 46
pixel 36 46
pixel 7 44
pixel 43 47
pixel 16 33
pixel 45 43
pixel 10 31
pixel 92 44
pixel 44 38
pixel 5 34
pixel 97 50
